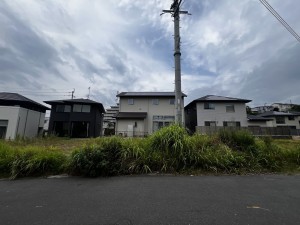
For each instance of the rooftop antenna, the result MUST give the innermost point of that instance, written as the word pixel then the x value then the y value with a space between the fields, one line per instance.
pixel 73 93
pixel 89 93
pixel 175 12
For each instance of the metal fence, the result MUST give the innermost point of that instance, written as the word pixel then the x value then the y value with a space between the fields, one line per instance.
pixel 256 131
pixel 132 133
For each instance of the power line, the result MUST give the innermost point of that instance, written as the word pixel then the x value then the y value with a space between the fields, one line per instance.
pixel 280 19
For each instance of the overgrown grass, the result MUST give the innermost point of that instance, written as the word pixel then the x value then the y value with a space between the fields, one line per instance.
pixel 170 149
pixel 30 161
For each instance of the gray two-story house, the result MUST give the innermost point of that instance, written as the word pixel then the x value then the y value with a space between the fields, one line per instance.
pixel 142 113
pixel 213 111
pixel 76 118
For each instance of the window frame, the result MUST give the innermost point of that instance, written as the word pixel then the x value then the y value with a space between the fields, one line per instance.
pixel 209 106
pixel 130 101
pixel 155 101
pixel 230 108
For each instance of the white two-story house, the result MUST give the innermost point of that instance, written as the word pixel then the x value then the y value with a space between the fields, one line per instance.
pixel 142 113
pixel 213 111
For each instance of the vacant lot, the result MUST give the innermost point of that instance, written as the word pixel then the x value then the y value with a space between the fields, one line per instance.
pixel 169 150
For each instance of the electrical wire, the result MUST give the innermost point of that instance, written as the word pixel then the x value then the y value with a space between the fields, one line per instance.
pixel 280 19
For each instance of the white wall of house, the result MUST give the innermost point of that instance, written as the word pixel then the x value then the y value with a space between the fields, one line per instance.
pixel 260 123
pixel 164 108
pixel 21 121
pixel 11 114
pixel 287 122
pixel 138 127
pixel 220 115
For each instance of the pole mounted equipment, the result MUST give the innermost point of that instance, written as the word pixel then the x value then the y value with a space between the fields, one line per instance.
pixel 175 12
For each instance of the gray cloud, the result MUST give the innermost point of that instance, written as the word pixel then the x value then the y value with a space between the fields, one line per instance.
pixel 25 54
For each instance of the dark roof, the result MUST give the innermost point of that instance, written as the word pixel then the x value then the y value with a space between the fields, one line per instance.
pixel 131 115
pixel 257 118
pixel 17 99
pixel 215 98
pixel 275 113
pixel 74 101
pixel 148 94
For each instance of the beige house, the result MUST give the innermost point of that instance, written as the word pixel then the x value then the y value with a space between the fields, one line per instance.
pixel 142 113
pixel 212 111
pixel 276 119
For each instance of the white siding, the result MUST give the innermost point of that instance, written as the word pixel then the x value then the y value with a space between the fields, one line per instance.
pixel 10 113
pixel 21 121
pixel 164 108
pixel 220 115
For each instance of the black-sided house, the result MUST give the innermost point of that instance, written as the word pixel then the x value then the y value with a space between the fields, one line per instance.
pixel 76 118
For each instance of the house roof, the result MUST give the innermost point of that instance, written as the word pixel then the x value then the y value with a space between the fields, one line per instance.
pixel 257 118
pixel 7 98
pixel 275 113
pixel 74 101
pixel 215 98
pixel 148 94
pixel 131 115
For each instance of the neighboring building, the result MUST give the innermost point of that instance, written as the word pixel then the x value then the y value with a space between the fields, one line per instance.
pixel 262 109
pixel 76 118
pixel 20 116
pixel 142 113
pixel 259 121
pixel 282 107
pixel 109 119
pixel 212 111
pixel 282 119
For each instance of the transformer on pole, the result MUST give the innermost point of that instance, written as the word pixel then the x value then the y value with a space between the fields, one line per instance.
pixel 175 12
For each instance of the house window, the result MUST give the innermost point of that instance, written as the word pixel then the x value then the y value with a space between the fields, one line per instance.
pixel 63 108
pixel 162 121
pixel 280 120
pixel 130 101
pixel 86 108
pixel 231 124
pixel 208 105
pixel 81 108
pixel 155 101
pixel 3 128
pixel 229 108
pixel 210 123
pixel 291 117
pixel 172 101
pixel 61 129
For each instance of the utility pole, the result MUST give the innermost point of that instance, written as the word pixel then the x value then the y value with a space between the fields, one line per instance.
pixel 175 12
pixel 89 93
pixel 73 93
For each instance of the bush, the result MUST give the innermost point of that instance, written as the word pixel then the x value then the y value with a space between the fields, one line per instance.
pixel 7 155
pixel 240 140
pixel 173 147
pixel 102 158
pixel 33 161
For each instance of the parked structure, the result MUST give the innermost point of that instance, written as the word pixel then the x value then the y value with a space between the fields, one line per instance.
pixel 210 112
pixel 20 116
pixel 141 113
pixel 76 118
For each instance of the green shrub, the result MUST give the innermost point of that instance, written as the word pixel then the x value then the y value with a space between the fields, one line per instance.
pixel 89 161
pixel 103 158
pixel 7 154
pixel 34 161
pixel 173 146
pixel 136 157
pixel 240 140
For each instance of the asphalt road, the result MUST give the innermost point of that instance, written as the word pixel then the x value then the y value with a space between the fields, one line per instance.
pixel 170 200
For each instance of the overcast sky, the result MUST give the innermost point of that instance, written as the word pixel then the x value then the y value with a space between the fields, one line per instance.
pixel 229 48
